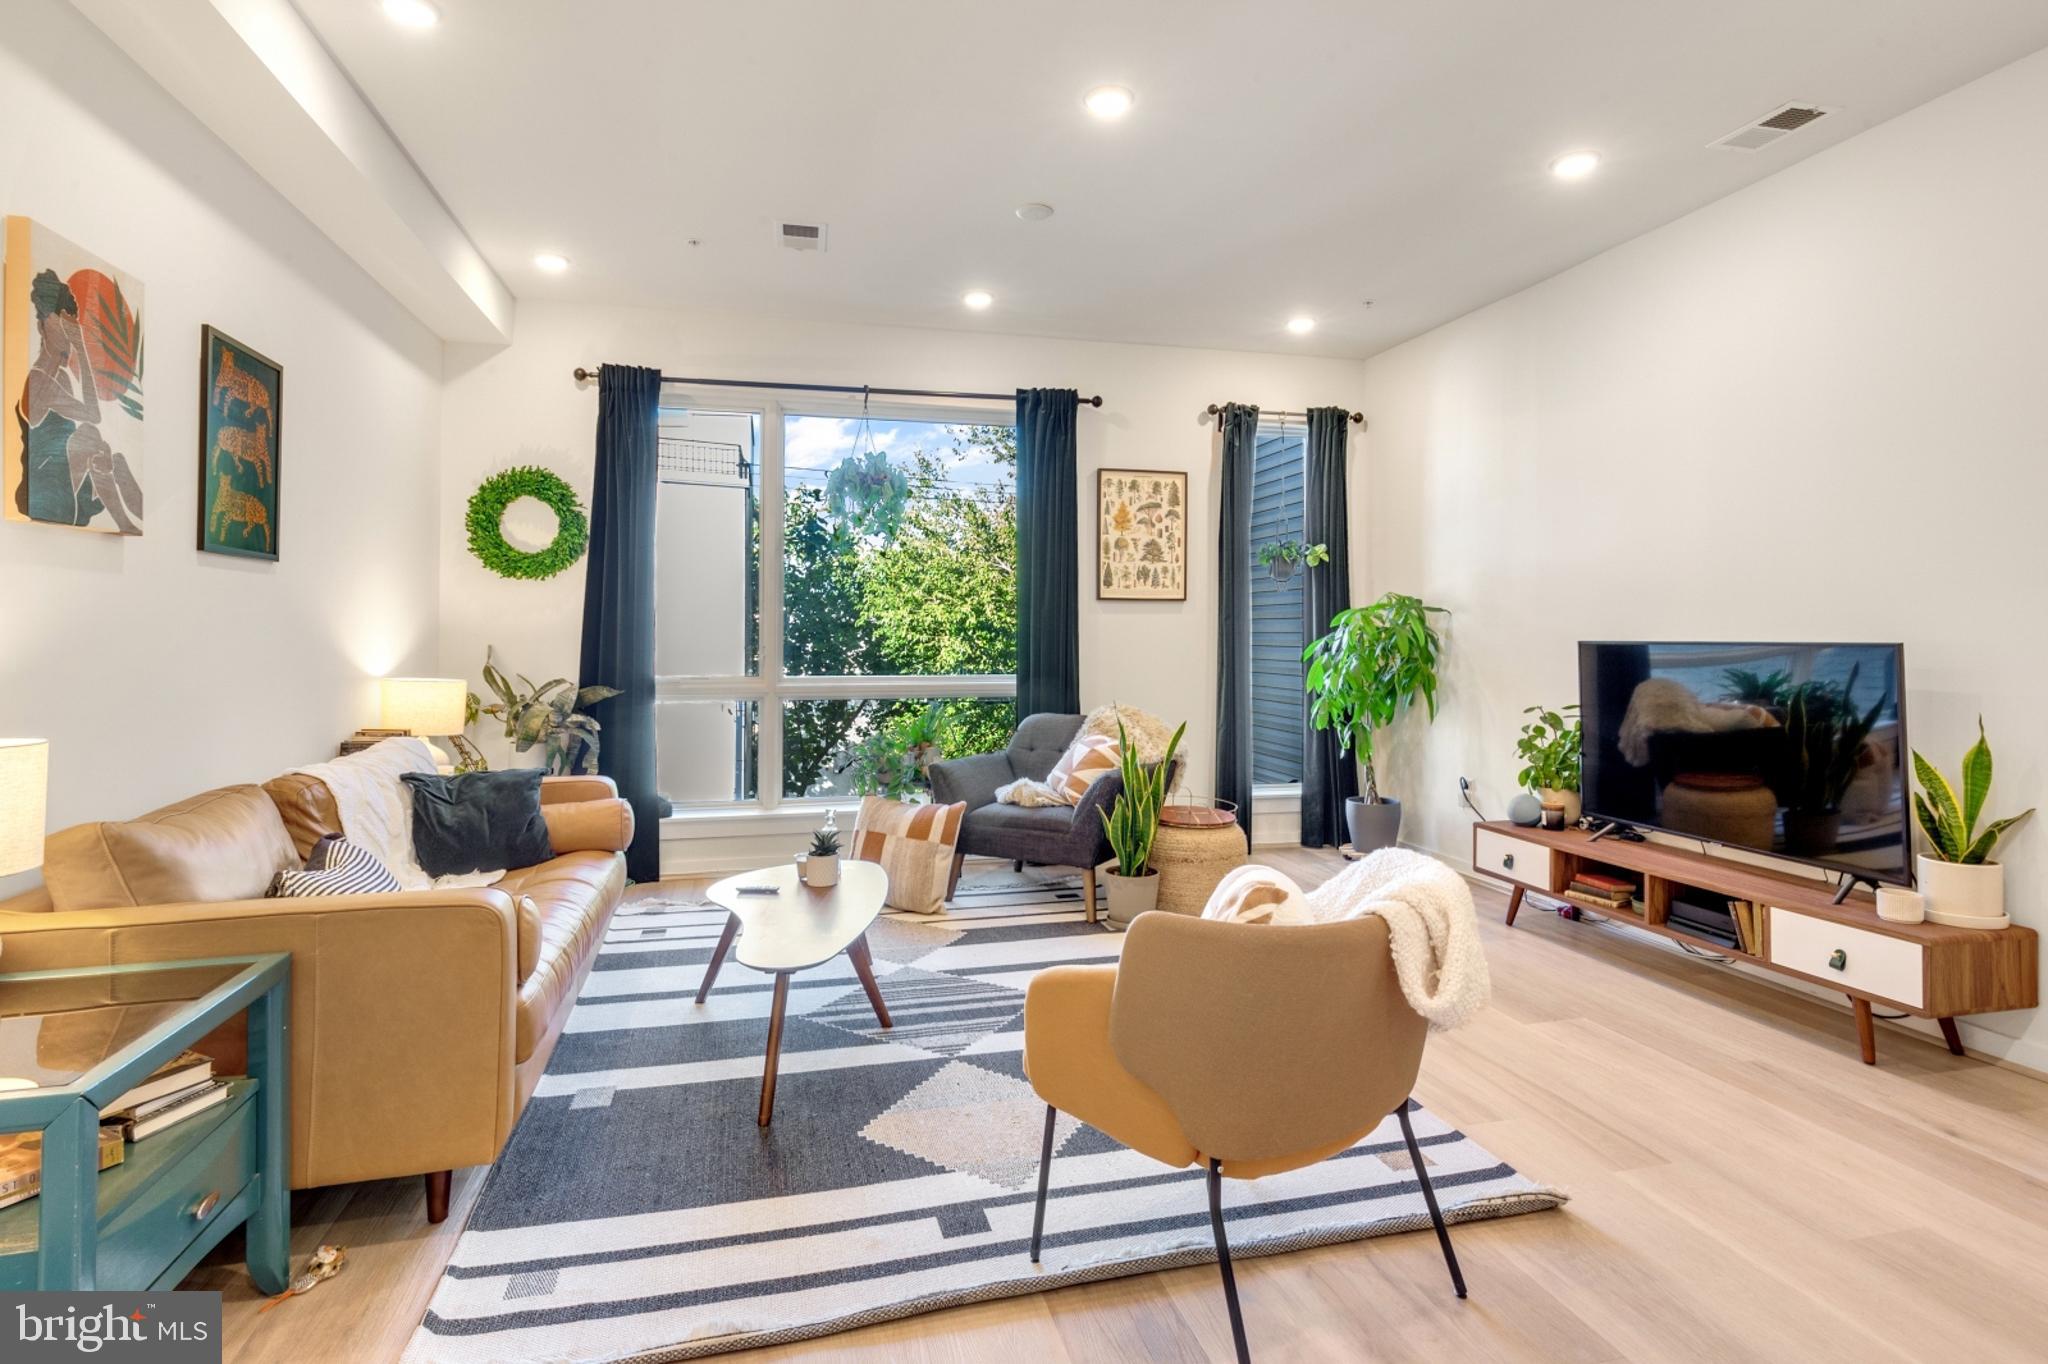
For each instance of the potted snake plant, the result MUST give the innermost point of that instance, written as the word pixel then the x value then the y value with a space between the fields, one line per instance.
pixel 1132 824
pixel 1963 886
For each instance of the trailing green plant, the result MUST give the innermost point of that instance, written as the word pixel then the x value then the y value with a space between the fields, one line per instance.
pixel 1293 552
pixel 1823 736
pixel 1132 821
pixel 551 715
pixel 895 759
pixel 1375 662
pixel 1949 823
pixel 1549 749
pixel 825 843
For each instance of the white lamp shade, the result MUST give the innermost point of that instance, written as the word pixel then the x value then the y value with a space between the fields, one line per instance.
pixel 425 705
pixel 24 788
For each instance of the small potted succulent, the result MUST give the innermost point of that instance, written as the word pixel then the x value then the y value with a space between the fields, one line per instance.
pixel 1132 824
pixel 1963 886
pixel 1282 557
pixel 821 864
pixel 1549 749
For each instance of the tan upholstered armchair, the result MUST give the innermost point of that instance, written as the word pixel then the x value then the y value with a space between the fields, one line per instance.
pixel 1251 1048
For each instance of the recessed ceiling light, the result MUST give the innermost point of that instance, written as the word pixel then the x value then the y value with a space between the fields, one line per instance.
pixel 1034 213
pixel 1575 165
pixel 552 263
pixel 1301 326
pixel 411 13
pixel 1109 101
pixel 977 299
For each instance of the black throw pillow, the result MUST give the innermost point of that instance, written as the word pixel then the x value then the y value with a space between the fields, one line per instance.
pixel 477 821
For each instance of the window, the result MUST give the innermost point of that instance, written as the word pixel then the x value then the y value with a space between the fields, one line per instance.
pixel 1279 704
pixel 833 587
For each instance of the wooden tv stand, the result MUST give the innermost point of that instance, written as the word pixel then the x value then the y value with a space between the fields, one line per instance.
pixel 1922 969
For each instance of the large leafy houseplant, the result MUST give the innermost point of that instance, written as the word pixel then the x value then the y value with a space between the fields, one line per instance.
pixel 1375 663
pixel 551 715
pixel 895 759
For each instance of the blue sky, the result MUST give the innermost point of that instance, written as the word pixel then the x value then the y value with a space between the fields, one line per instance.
pixel 813 445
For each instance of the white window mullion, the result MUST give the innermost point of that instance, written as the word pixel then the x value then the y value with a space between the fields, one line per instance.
pixel 769 716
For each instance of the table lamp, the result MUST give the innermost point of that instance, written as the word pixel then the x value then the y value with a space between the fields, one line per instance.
pixel 425 707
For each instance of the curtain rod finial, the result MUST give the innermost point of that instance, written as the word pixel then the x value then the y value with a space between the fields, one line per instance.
pixel 584 375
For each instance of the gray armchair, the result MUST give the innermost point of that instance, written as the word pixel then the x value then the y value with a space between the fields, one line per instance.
pixel 1056 835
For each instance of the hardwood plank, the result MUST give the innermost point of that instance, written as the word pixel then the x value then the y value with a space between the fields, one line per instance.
pixel 1723 1148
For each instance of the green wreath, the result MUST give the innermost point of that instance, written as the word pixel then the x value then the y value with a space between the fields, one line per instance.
pixel 487 512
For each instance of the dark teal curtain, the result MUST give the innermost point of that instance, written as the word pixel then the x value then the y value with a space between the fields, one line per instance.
pixel 618 600
pixel 1048 555
pixel 1328 777
pixel 1239 428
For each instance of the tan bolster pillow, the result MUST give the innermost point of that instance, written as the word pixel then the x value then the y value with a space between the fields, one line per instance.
pixel 564 790
pixel 588 825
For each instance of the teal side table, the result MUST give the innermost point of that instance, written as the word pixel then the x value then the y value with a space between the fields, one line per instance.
pixel 85 1036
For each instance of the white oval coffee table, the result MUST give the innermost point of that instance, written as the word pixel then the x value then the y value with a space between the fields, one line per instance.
pixel 793 930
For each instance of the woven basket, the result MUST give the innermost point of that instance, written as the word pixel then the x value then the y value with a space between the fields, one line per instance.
pixel 1191 861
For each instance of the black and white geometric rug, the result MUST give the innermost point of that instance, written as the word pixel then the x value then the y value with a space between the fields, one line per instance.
pixel 638 1213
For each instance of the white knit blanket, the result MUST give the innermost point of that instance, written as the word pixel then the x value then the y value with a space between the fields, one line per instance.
pixel 1432 927
pixel 376 809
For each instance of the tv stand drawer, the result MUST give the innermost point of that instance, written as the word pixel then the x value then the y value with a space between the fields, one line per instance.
pixel 1511 859
pixel 1872 963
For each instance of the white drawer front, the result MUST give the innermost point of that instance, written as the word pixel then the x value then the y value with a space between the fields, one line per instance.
pixel 1511 859
pixel 1872 962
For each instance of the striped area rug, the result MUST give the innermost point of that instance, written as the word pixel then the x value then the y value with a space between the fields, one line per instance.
pixel 638 1212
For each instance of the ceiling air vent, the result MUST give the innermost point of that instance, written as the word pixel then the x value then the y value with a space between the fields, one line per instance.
pixel 802 236
pixel 1779 123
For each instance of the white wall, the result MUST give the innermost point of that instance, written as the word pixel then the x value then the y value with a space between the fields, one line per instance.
pixel 155 670
pixel 1812 410
pixel 521 404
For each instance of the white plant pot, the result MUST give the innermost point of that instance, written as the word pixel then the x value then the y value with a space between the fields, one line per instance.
pixel 1573 806
pixel 820 873
pixel 1129 896
pixel 1963 896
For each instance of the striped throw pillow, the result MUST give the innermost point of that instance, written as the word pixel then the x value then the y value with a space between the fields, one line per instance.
pixel 336 867
pixel 914 845
pixel 1087 760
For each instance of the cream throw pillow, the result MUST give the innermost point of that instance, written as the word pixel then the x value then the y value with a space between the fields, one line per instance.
pixel 1258 895
pixel 914 845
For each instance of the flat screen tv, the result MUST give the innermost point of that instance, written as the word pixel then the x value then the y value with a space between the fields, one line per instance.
pixel 1796 750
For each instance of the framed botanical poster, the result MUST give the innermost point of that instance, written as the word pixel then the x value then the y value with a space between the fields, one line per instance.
pixel 71 439
pixel 1141 535
pixel 241 402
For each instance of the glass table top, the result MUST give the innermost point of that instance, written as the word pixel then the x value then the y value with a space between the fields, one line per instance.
pixel 55 1027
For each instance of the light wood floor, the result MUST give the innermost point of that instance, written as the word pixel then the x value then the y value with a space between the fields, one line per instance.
pixel 1742 1189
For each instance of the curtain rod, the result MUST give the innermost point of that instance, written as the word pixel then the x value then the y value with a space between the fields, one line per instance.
pixel 864 390
pixel 1215 409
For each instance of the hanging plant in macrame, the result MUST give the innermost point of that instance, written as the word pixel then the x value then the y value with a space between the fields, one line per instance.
pixel 486 523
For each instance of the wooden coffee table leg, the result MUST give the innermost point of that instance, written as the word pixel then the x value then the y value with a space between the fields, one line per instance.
pixel 725 937
pixel 774 1048
pixel 864 967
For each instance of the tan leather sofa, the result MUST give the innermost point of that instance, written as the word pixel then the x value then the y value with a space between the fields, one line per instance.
pixel 420 1020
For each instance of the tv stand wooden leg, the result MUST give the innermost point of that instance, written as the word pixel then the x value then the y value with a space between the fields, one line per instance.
pixel 1514 903
pixel 1951 1036
pixel 1866 1030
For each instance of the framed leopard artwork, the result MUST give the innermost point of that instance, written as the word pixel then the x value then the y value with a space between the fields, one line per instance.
pixel 241 407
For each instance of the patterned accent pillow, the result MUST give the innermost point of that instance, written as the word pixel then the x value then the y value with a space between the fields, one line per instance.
pixel 1087 760
pixel 1258 895
pixel 914 845
pixel 335 866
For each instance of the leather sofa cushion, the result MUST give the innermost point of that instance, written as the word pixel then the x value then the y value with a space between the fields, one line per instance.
pixel 574 895
pixel 582 813
pixel 224 844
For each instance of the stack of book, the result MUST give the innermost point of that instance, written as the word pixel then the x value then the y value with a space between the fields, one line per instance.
pixel 21 1162
pixel 1749 925
pixel 1597 890
pixel 181 1088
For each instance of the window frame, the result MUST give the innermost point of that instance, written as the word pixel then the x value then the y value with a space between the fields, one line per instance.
pixel 770 686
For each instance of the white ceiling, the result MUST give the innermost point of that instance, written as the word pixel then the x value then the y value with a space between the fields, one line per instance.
pixel 1294 156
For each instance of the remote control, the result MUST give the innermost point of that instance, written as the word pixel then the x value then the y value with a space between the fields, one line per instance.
pixel 756 890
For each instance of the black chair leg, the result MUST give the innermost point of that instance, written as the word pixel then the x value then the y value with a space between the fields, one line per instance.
pixel 1044 1177
pixel 1244 1353
pixel 1443 1233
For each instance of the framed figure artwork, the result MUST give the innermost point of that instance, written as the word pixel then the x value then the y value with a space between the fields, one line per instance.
pixel 1141 535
